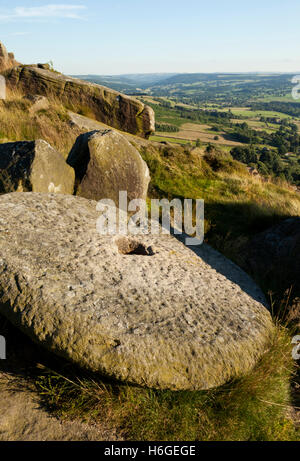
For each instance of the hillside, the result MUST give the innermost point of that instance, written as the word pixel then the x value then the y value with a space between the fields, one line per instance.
pixel 252 116
pixel 239 205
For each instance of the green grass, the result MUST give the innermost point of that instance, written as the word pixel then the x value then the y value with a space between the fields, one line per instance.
pixel 287 98
pixel 158 138
pixel 254 408
pixel 170 116
pixel 255 114
pixel 235 202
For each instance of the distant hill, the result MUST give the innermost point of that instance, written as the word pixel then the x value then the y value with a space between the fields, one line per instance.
pixel 147 80
pixel 223 77
pixel 200 88
pixel 127 83
pixel 224 88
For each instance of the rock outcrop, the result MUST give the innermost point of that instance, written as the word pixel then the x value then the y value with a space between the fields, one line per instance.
pixel 273 256
pixel 108 106
pixel 163 319
pixel 7 60
pixel 38 103
pixel 105 163
pixel 34 166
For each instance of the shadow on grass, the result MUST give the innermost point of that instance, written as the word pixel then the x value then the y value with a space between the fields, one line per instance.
pixel 236 218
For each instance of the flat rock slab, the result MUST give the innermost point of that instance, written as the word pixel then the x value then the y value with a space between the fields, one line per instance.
pixel 164 318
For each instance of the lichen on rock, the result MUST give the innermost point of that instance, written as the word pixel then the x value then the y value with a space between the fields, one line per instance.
pixel 104 104
pixel 169 319
pixel 105 164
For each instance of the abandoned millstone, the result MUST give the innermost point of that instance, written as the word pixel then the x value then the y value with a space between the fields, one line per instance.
pixel 35 166
pixel 166 318
pixel 106 163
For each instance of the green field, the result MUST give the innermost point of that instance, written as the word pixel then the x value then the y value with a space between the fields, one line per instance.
pixel 174 140
pixel 229 127
pixel 248 113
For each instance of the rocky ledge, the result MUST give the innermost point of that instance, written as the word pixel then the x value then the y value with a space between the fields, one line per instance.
pixel 104 104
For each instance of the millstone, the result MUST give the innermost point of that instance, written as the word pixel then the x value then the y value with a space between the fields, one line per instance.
pixel 143 309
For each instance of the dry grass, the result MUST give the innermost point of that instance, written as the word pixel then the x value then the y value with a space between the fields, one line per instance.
pixel 52 125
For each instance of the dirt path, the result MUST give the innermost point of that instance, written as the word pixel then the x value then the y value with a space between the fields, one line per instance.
pixel 23 418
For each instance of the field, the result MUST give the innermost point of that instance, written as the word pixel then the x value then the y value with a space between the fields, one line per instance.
pixel 168 115
pixel 255 114
pixel 268 120
pixel 250 114
pixel 193 131
pixel 190 132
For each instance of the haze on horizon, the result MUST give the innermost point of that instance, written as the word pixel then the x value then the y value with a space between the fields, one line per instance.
pixel 94 37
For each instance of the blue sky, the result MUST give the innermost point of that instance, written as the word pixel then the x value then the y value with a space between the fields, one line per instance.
pixel 139 36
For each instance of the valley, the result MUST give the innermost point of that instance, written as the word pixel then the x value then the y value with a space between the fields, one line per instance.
pixel 251 116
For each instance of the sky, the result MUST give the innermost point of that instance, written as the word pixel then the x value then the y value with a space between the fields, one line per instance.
pixel 141 36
